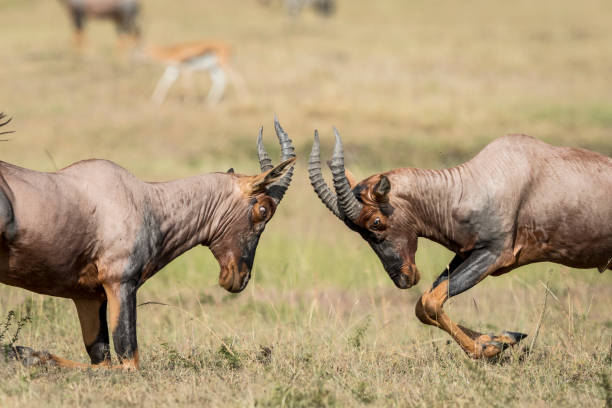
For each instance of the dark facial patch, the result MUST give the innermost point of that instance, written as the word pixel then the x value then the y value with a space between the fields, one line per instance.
pixel 386 208
pixel 391 260
pixel 249 242
pixel 249 247
pixel 388 255
pixel 382 246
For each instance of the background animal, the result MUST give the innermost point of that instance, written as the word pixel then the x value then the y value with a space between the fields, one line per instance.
pixel 519 201
pixel 94 233
pixel 124 13
pixel 423 83
pixel 185 59
pixel 295 7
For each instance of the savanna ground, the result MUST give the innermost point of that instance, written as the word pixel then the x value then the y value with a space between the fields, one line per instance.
pixel 407 83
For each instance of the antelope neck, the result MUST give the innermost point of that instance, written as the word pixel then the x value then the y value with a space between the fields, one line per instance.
pixel 427 199
pixel 192 211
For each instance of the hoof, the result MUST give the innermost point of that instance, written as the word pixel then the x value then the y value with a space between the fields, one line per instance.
pixel 491 346
pixel 514 337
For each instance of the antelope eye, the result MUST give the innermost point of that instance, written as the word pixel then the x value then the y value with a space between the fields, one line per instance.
pixel 262 211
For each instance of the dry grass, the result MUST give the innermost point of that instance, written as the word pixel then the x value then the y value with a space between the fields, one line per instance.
pixel 407 83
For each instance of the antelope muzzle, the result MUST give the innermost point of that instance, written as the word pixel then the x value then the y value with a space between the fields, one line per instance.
pixel 234 276
pixel 403 274
pixel 236 271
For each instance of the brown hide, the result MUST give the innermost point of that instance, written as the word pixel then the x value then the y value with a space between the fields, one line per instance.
pixel 94 233
pixel 517 202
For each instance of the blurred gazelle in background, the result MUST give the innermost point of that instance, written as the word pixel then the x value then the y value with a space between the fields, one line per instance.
pixel 187 58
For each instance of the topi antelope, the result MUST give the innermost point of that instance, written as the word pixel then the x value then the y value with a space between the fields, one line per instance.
pixel 123 12
pixel 519 201
pixel 94 233
pixel 187 58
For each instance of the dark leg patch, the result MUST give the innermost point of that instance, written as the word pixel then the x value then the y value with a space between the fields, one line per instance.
pixel 124 335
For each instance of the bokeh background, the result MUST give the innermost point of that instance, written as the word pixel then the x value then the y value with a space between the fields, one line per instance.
pixel 407 83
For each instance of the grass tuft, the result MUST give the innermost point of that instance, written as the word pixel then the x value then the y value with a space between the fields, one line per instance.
pixel 11 322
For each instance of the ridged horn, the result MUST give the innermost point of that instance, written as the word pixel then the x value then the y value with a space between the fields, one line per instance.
pixel 278 189
pixel 265 163
pixel 316 178
pixel 346 200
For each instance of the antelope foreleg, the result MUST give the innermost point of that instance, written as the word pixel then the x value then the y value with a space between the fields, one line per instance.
pixel 165 82
pixel 218 84
pixel 429 307
pixel 122 320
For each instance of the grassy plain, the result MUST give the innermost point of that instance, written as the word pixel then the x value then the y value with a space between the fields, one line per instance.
pixel 415 83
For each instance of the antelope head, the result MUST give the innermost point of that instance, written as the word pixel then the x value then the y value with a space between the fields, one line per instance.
pixel 368 208
pixel 254 201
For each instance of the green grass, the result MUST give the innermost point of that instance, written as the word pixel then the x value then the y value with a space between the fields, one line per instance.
pixel 408 84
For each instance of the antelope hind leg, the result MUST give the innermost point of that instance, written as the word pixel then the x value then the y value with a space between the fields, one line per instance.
pixel 78 20
pixel 459 278
pixel 218 83
pixel 92 316
pixel 122 305
pixel 30 358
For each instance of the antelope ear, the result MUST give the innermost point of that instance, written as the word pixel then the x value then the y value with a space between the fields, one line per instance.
pixel 382 188
pixel 230 170
pixel 351 178
pixel 261 181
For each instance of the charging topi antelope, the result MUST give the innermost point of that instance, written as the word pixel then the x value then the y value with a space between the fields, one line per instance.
pixel 518 201
pixel 94 233
pixel 123 12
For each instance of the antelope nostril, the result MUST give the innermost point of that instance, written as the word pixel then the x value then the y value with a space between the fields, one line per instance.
pixel 403 276
pixel 245 276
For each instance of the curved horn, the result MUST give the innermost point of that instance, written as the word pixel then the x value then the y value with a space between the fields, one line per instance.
pixel 287 150
pixel 277 190
pixel 264 160
pixel 347 202
pixel 316 178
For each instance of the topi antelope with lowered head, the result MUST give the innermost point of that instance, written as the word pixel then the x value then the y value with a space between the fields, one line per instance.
pixel 517 202
pixel 94 233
